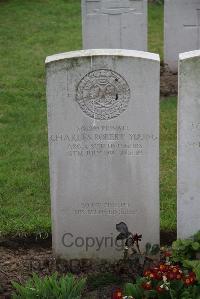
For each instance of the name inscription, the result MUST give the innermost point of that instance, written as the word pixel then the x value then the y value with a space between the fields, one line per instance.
pixel 92 141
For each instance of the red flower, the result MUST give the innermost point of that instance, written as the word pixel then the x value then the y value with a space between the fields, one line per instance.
pixel 192 274
pixel 178 276
pixel 117 294
pixel 192 277
pixel 152 275
pixel 147 273
pixel 147 285
pixel 159 275
pixel 167 254
pixel 171 275
pixel 175 270
pixel 163 267
pixel 187 281
pixel 192 280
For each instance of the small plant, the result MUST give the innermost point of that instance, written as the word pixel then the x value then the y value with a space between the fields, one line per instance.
pixel 176 276
pixel 53 287
pixel 188 249
pixel 133 256
pixel 166 281
pixel 187 253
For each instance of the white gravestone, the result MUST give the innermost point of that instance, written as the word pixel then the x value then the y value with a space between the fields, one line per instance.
pixel 103 118
pixel 182 29
pixel 189 145
pixel 114 24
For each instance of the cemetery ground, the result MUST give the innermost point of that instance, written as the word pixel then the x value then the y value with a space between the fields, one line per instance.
pixel 30 31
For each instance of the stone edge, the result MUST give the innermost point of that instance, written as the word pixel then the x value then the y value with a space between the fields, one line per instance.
pixel 189 55
pixel 102 52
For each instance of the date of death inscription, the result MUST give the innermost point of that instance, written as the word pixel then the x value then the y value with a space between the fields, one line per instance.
pixel 92 141
pixel 105 209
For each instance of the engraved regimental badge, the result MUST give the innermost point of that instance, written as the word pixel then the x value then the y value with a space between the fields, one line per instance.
pixel 103 94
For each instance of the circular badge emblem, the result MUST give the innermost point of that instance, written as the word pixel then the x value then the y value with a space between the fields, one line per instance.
pixel 103 94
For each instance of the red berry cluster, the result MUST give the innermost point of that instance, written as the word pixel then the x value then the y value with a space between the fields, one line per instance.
pixel 166 273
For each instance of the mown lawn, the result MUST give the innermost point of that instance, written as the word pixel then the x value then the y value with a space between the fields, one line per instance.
pixel 156 25
pixel 168 127
pixel 30 31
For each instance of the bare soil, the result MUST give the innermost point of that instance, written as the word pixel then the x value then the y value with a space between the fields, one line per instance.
pixel 19 258
pixel 168 82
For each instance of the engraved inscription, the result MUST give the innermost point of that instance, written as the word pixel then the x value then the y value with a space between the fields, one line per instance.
pixel 104 141
pixel 105 208
pixel 120 6
pixel 114 7
pixel 103 94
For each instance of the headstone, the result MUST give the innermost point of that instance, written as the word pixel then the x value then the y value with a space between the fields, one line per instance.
pixel 182 29
pixel 189 145
pixel 103 118
pixel 114 24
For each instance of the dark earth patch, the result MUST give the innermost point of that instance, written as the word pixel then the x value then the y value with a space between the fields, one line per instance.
pixel 168 82
pixel 19 258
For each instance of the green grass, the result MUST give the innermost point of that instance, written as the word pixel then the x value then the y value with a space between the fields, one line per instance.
pixel 168 129
pixel 30 30
pixel 156 22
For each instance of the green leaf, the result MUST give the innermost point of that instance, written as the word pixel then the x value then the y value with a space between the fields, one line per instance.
pixel 173 294
pixel 155 249
pixel 151 294
pixel 176 285
pixel 195 266
pixel 176 244
pixel 133 290
pixel 195 246
pixel 197 237
pixel 50 287
pixel 148 247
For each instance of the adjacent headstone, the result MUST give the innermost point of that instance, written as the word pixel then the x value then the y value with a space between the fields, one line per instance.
pixel 114 24
pixel 182 29
pixel 189 145
pixel 103 118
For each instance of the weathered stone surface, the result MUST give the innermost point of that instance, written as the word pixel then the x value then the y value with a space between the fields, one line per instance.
pixel 189 144
pixel 115 24
pixel 182 29
pixel 103 118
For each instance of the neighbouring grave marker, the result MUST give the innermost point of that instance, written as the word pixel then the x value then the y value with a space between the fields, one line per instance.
pixel 118 24
pixel 182 29
pixel 189 145
pixel 103 122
